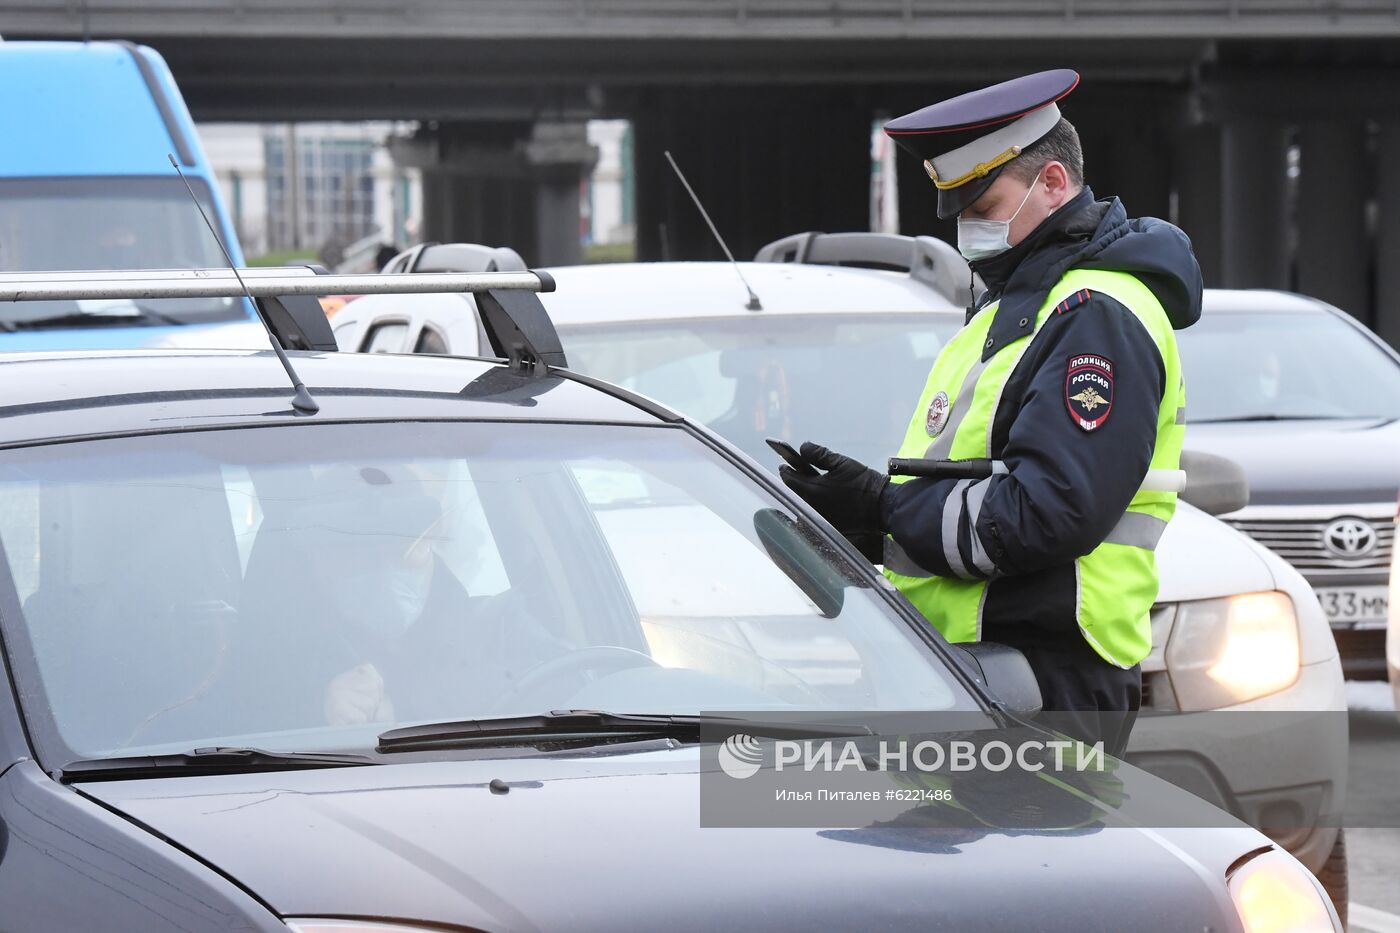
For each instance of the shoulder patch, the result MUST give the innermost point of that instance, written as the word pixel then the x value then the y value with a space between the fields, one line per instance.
pixel 1073 301
pixel 1089 390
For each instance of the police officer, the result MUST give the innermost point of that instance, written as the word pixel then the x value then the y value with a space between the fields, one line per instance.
pixel 1066 376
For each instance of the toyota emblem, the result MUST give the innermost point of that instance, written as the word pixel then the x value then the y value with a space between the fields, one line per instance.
pixel 1350 538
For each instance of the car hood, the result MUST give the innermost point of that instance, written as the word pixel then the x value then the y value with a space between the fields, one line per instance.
pixel 613 842
pixel 1201 557
pixel 1309 462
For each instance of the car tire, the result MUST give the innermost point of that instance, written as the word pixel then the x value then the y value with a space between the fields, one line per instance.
pixel 1333 876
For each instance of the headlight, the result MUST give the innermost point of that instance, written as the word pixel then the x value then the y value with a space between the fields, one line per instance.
pixel 1275 894
pixel 1227 651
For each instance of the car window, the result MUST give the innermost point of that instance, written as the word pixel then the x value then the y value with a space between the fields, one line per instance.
pixel 386 338
pixel 847 381
pixel 19 532
pixel 109 223
pixel 1309 365
pixel 344 332
pixel 223 588
pixel 430 341
pixel 244 508
pixel 761 632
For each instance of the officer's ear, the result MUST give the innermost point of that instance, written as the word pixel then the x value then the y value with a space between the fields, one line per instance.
pixel 1059 187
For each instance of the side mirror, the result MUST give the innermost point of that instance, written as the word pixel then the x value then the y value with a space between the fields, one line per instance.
pixel 1215 485
pixel 1007 673
pixel 805 558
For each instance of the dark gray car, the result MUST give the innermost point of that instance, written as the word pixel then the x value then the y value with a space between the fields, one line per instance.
pixel 1308 401
pixel 216 712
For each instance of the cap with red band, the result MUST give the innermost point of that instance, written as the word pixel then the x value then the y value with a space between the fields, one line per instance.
pixel 965 141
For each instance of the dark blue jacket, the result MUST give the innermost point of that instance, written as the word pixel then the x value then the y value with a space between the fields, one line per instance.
pixel 1066 488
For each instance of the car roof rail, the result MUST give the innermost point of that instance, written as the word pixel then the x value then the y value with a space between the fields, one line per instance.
pixel 927 259
pixel 457 257
pixel 517 325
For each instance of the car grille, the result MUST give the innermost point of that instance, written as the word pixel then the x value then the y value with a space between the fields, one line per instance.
pixel 1302 543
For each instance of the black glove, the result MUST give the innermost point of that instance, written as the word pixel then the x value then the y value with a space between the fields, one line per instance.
pixel 847 494
pixel 871 544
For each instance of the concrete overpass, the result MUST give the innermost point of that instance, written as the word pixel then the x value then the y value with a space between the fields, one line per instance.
pixel 1267 128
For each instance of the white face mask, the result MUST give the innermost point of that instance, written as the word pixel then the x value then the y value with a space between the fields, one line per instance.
pixel 983 239
pixel 388 604
pixel 410 588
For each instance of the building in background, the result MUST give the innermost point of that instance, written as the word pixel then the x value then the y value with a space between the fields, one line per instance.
pixel 336 189
pixel 610 191
pixel 884 181
pixel 235 151
pixel 323 189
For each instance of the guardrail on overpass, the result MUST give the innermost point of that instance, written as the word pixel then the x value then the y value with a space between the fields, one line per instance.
pixel 700 19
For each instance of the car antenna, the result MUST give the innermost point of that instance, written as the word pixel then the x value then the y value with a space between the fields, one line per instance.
pixel 754 304
pixel 302 400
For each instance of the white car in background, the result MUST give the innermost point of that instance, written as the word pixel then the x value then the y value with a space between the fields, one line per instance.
pixel 442 324
pixel 836 354
pixel 1392 634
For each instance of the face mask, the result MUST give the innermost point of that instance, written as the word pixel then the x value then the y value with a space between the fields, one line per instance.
pixel 983 239
pixel 409 588
pixel 387 605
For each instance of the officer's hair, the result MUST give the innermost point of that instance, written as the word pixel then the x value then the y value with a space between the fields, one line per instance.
pixel 1061 145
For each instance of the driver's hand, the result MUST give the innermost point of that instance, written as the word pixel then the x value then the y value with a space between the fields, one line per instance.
pixel 357 696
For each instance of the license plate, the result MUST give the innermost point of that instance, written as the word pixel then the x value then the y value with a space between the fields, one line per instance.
pixel 1349 604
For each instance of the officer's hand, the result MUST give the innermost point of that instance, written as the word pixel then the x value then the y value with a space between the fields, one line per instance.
pixel 871 545
pixel 847 494
pixel 357 696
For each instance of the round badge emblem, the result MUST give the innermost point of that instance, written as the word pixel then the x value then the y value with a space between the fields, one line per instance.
pixel 937 415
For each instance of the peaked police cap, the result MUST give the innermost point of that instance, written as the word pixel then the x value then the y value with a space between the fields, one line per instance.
pixel 965 141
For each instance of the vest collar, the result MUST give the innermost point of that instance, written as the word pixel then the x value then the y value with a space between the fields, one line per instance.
pixel 1049 251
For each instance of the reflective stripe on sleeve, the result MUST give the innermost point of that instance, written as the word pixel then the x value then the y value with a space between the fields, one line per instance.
pixel 975 494
pixel 952 515
pixel 1152 481
pixel 1136 529
pixel 898 560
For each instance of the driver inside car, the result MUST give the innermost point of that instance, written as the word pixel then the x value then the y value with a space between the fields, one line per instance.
pixel 393 634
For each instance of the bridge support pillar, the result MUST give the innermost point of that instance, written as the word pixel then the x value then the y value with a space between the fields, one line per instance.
pixel 560 157
pixel 765 161
pixel 504 184
pixel 1199 200
pixel 1254 223
pixel 1387 321
pixel 476 183
pixel 1333 253
pixel 1127 159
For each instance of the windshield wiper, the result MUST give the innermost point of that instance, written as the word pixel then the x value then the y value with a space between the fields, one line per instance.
pixel 1273 417
pixel 586 725
pixel 143 317
pixel 217 760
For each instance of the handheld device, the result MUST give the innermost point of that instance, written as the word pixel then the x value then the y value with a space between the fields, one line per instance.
pixel 790 456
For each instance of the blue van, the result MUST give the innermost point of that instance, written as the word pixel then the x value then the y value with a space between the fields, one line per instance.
pixel 86 183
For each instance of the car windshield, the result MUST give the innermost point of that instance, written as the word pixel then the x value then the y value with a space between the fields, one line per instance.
pixel 55 224
pixel 1263 365
pixel 847 381
pixel 309 587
